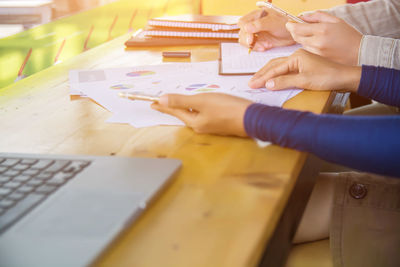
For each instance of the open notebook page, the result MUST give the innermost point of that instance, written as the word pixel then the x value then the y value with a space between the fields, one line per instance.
pixel 235 59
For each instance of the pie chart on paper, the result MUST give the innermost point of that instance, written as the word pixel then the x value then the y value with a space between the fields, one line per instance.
pixel 202 87
pixel 140 73
pixel 121 86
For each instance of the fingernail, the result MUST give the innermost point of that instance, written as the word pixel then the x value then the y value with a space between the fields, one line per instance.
pixel 270 84
pixel 163 100
pixel 249 41
pixel 289 25
pixel 255 78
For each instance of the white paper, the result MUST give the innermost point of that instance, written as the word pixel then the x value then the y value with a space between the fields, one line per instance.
pixel 104 85
pixel 235 58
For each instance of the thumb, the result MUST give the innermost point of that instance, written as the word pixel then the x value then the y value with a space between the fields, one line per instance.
pixel 256 14
pixel 285 82
pixel 254 26
pixel 319 16
pixel 177 101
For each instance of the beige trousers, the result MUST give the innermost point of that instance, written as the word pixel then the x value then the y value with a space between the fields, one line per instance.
pixel 359 212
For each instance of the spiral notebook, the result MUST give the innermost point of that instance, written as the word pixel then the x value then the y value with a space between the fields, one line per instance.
pixel 199 22
pixel 186 30
pixel 191 34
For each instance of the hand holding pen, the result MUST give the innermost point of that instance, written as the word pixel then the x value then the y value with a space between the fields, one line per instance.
pixel 251 44
pixel 263 4
pixel 269 27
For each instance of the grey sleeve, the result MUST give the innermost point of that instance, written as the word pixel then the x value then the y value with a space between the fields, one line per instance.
pixel 380 18
pixel 377 17
pixel 379 51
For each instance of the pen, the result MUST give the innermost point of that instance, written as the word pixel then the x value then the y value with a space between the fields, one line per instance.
pixel 283 12
pixel 263 14
pixel 132 96
pixel 176 54
pixel 252 44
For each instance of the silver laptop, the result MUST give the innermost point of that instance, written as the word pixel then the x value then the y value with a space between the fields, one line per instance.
pixel 65 210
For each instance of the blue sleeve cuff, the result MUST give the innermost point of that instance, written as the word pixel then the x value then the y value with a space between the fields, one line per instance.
pixel 277 125
pixel 380 84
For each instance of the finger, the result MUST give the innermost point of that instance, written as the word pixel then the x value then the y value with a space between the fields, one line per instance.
pixel 258 80
pixel 260 47
pixel 310 44
pixel 272 69
pixel 285 82
pixel 271 64
pixel 184 115
pixel 255 14
pixel 249 39
pixel 180 101
pixel 245 38
pixel 263 42
pixel 300 29
pixel 313 50
pixel 319 16
pixel 305 41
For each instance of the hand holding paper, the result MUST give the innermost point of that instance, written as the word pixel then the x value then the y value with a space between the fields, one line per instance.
pixel 105 87
pixel 211 113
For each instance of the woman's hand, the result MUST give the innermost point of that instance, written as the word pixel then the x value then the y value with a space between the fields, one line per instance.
pixel 212 113
pixel 328 36
pixel 269 27
pixel 308 71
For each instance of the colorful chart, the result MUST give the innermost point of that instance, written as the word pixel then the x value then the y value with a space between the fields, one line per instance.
pixel 202 87
pixel 121 86
pixel 140 73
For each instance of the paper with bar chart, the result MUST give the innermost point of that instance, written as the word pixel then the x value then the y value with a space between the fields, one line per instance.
pixel 103 86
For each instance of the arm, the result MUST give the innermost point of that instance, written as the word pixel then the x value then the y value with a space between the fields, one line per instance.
pixel 365 143
pixel 379 18
pixel 335 39
pixel 305 70
pixel 332 37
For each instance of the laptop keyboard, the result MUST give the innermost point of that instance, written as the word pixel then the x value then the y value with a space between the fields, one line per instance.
pixel 25 182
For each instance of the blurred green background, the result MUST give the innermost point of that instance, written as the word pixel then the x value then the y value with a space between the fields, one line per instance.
pixel 107 22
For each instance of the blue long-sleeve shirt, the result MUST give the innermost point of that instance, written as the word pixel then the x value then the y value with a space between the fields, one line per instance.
pixel 366 143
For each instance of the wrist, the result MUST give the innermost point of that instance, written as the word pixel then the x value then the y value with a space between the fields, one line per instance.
pixel 240 123
pixel 355 49
pixel 350 76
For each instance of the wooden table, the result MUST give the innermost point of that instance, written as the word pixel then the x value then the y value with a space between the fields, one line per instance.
pixel 224 206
